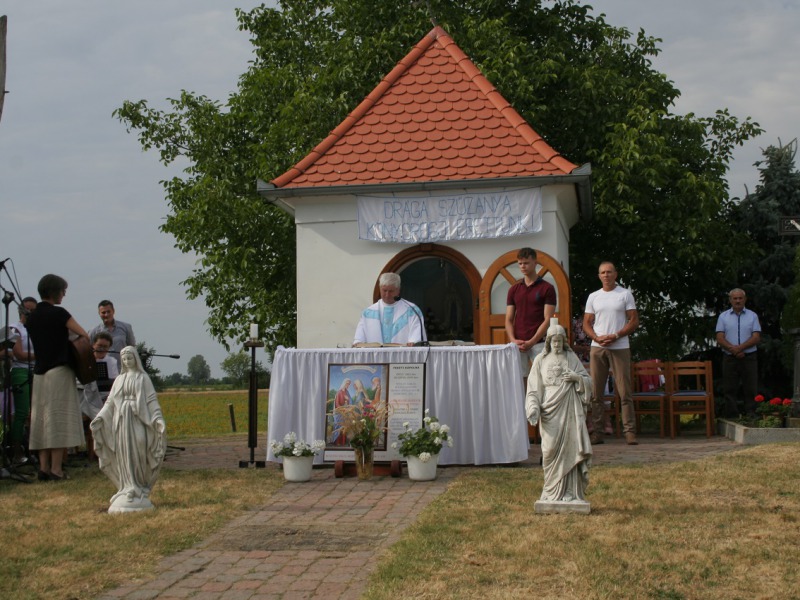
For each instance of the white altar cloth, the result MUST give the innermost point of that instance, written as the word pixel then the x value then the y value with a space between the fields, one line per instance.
pixel 476 390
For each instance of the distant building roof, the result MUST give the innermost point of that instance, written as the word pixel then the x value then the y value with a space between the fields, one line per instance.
pixel 434 117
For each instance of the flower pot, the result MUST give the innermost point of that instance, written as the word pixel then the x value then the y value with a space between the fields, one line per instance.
pixel 364 462
pixel 297 468
pixel 422 471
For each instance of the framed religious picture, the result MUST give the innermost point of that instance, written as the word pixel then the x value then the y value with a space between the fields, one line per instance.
pixel 363 388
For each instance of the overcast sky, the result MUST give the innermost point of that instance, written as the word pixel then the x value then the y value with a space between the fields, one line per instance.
pixel 79 198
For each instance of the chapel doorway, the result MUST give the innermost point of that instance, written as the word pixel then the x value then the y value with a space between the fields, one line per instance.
pixel 500 276
pixel 444 284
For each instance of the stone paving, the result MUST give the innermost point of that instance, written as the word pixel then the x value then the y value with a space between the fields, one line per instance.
pixel 289 549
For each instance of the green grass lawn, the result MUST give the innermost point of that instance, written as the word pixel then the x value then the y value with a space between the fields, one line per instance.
pixel 207 414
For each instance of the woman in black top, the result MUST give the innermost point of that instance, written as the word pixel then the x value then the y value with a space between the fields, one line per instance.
pixel 56 422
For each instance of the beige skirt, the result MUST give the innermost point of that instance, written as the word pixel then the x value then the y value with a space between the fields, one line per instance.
pixel 56 420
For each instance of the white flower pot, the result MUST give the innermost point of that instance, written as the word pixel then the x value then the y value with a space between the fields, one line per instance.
pixel 297 468
pixel 422 471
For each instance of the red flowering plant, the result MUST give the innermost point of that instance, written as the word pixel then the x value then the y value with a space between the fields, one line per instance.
pixel 774 407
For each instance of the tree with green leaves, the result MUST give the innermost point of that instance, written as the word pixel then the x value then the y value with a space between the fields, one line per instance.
pixel 587 87
pixel 175 379
pixel 198 370
pixel 146 353
pixel 237 367
pixel 767 274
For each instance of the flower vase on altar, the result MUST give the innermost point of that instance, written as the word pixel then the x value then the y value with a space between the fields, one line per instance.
pixel 365 458
pixel 421 447
pixel 298 456
pixel 363 424
pixel 297 468
pixel 422 470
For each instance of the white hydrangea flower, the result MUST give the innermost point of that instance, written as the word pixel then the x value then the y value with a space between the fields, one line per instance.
pixel 435 426
pixel 444 428
pixel 426 419
pixel 318 446
pixel 424 457
pixel 450 443
pixel 437 441
pixel 290 438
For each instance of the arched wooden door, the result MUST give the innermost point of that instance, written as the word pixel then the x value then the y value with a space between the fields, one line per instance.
pixel 500 276
pixel 450 304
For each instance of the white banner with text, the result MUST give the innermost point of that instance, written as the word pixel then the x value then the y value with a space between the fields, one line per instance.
pixel 441 218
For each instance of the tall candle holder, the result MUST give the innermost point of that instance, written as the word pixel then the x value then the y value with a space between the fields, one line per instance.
pixel 252 403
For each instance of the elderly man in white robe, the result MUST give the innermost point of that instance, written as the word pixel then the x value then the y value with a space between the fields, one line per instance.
pixel 559 392
pixel 391 320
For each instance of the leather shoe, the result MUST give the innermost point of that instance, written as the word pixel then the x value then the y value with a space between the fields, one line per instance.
pixel 596 439
pixel 630 439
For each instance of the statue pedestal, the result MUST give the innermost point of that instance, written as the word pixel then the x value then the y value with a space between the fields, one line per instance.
pixel 121 504
pixel 545 507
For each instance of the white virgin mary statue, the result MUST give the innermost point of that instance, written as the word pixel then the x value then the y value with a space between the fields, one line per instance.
pixel 130 436
pixel 559 394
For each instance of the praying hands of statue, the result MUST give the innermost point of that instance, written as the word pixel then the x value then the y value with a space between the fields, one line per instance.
pixel 570 376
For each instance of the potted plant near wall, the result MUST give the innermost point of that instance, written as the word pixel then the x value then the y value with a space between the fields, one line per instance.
pixel 773 412
pixel 298 456
pixel 421 447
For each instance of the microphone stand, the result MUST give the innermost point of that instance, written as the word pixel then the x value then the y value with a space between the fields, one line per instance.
pixel 8 471
pixel 418 313
pixel 144 356
pixel 148 355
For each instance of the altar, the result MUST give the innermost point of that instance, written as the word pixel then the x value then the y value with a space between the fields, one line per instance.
pixel 476 390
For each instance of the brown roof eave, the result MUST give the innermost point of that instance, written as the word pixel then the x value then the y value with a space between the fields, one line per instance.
pixel 581 177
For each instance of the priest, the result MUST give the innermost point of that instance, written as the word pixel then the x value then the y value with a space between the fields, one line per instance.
pixel 392 319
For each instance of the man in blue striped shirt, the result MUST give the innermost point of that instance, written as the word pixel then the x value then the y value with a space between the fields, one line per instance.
pixel 738 334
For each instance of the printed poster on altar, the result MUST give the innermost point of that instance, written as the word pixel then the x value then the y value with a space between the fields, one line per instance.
pixel 401 385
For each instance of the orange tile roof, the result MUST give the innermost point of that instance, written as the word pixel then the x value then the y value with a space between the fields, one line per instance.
pixel 434 117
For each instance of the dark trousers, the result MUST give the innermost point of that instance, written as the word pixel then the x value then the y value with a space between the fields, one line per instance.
pixel 740 373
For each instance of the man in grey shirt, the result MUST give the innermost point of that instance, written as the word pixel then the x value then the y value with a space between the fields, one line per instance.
pixel 121 333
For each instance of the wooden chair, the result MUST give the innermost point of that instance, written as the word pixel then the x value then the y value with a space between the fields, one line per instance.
pixel 613 405
pixel 651 397
pixel 692 394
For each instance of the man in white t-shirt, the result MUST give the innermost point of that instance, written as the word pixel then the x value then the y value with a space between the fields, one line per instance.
pixel 609 319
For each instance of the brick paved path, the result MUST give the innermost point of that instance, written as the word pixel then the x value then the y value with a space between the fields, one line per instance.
pixel 288 548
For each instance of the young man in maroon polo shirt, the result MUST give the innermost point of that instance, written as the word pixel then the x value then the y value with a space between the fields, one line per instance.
pixel 530 304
